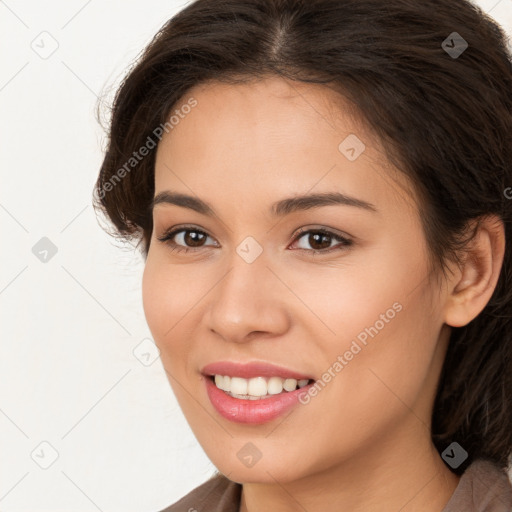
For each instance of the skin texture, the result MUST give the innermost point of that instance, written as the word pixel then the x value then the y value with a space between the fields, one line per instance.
pixel 364 440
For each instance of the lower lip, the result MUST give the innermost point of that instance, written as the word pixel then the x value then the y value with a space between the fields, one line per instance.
pixel 252 411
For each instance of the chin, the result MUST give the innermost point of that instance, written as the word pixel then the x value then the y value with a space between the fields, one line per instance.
pixel 266 470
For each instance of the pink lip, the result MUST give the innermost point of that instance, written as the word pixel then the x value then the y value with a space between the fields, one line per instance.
pixel 252 411
pixel 250 370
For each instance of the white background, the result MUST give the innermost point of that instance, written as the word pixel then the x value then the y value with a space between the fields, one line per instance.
pixel 68 373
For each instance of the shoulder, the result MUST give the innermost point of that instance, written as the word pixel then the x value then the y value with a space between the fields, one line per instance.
pixel 483 487
pixel 218 494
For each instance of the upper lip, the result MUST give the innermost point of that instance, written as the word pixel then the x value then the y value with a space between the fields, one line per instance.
pixel 250 370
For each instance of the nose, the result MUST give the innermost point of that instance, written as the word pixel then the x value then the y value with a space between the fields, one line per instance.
pixel 248 301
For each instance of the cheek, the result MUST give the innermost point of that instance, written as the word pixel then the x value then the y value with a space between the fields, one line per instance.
pixel 153 298
pixel 164 297
pixel 382 316
pixel 351 296
pixel 172 296
pixel 391 370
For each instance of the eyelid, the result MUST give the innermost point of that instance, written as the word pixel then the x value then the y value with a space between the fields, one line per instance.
pixel 323 229
pixel 172 232
pixel 345 240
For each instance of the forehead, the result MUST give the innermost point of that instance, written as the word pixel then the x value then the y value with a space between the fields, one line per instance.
pixel 273 105
pixel 276 134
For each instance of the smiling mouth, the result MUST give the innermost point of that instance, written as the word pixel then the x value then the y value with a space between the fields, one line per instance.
pixel 257 388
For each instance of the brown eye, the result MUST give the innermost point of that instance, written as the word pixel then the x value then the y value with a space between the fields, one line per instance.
pixel 186 239
pixel 320 241
pixel 194 238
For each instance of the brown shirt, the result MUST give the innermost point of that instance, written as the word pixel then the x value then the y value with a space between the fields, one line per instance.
pixel 483 487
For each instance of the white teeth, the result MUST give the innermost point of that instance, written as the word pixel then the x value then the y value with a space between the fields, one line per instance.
pixel 257 387
pixel 290 384
pixel 222 382
pixel 238 386
pixel 274 385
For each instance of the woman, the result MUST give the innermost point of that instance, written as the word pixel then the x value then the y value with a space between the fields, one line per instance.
pixel 320 191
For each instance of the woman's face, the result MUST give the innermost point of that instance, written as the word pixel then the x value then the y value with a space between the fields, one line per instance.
pixel 361 316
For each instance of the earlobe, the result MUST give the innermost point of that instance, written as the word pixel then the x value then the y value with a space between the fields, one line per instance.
pixel 473 285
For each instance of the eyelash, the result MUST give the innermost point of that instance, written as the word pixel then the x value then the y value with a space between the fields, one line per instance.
pixel 168 235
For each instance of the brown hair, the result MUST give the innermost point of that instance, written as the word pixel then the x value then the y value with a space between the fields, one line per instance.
pixel 444 119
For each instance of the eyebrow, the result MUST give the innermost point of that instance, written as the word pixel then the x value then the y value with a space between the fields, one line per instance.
pixel 278 209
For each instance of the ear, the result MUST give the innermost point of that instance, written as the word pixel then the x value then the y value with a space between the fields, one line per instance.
pixel 472 284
